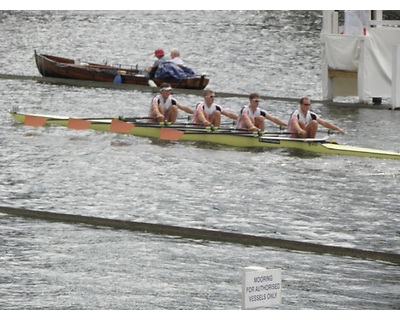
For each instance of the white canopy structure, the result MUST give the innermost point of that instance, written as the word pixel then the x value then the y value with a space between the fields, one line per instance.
pixel 361 57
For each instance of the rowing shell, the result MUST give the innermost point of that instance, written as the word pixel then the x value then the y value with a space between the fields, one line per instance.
pixel 184 132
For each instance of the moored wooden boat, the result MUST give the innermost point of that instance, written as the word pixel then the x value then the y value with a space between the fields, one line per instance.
pixel 58 67
pixel 189 132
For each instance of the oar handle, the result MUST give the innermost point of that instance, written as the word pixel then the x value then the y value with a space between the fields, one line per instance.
pixel 133 119
pixel 329 131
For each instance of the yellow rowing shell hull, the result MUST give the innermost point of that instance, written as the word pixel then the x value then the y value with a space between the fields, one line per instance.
pixel 239 140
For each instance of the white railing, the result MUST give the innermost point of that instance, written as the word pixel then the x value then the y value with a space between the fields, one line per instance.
pixel 384 23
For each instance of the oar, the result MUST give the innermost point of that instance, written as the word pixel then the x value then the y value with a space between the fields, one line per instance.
pixel 133 119
pixel 125 127
pixel 227 130
pixel 269 139
pixel 329 131
pixel 197 128
pixel 167 133
pixel 164 124
pixel 129 119
pixel 235 132
pixel 178 125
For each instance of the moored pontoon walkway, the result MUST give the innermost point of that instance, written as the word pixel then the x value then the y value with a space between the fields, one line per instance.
pixel 204 234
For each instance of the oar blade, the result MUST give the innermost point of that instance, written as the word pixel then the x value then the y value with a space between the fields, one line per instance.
pixel 78 124
pixel 121 126
pixel 34 121
pixel 170 134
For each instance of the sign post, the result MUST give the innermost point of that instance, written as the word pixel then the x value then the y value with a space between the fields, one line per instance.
pixel 261 287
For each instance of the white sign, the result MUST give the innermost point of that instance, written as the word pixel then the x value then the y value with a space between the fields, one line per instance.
pixel 261 287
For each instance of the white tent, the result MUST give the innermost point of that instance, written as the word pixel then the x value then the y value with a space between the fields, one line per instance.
pixel 362 57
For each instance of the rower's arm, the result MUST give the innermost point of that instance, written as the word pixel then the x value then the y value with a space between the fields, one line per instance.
pixel 330 125
pixel 229 114
pixel 186 109
pixel 277 120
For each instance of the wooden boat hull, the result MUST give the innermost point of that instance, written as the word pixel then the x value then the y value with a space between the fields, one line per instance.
pixel 58 67
pixel 189 133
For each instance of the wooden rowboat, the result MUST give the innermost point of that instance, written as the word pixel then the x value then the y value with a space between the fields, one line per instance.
pixel 58 67
pixel 189 132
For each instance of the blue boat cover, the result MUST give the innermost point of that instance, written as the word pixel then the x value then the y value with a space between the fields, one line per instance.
pixel 169 69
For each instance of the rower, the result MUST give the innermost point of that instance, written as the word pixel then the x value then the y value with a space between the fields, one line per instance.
pixel 164 107
pixel 252 117
pixel 304 123
pixel 208 112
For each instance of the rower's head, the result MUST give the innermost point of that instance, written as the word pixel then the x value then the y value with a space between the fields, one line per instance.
pixel 305 104
pixel 174 53
pixel 254 99
pixel 209 96
pixel 165 89
pixel 159 53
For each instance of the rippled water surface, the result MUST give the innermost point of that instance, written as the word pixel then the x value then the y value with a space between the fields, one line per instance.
pixel 331 200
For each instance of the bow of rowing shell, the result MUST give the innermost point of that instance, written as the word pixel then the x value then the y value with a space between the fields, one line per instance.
pixel 183 132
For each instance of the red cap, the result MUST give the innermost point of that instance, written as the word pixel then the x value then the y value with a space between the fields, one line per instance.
pixel 159 53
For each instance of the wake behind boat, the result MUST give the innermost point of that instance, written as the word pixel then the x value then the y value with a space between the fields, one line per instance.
pixel 189 132
pixel 58 67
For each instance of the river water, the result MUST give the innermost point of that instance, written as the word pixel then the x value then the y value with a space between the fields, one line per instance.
pixel 331 200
